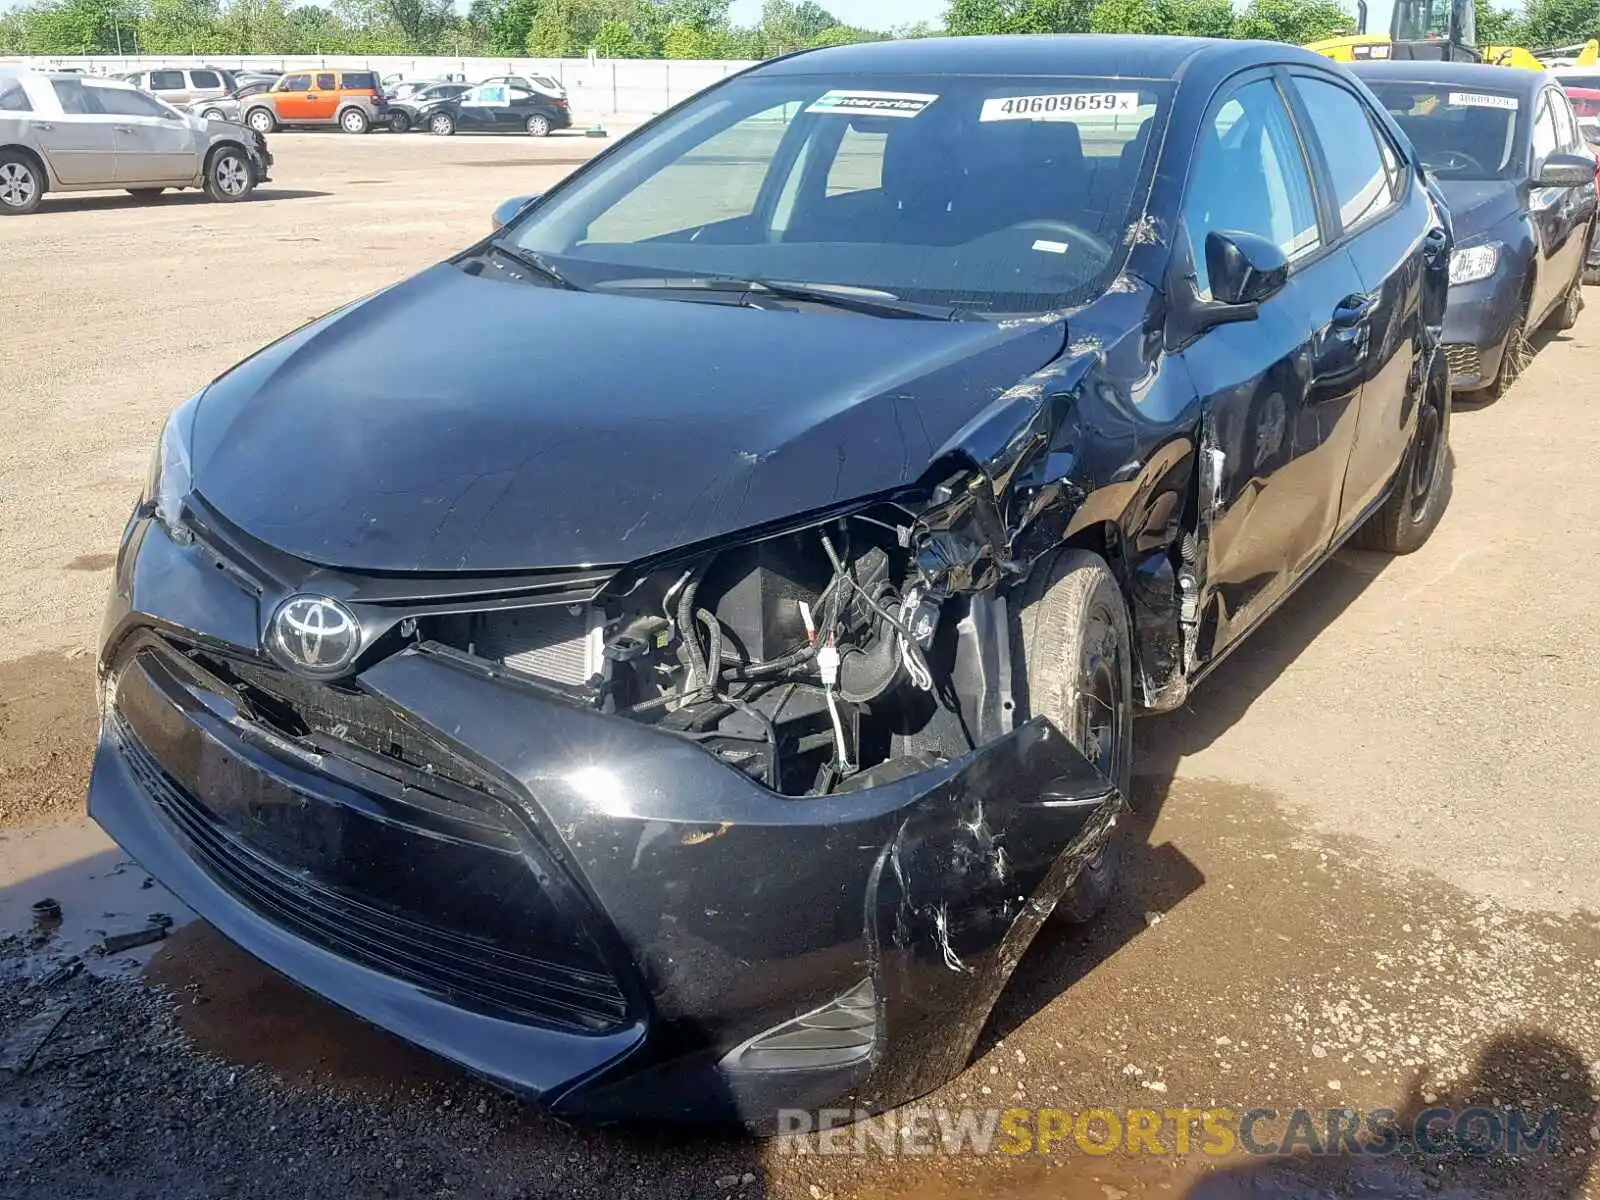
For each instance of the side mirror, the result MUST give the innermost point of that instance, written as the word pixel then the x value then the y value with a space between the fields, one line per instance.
pixel 1565 170
pixel 1245 268
pixel 508 211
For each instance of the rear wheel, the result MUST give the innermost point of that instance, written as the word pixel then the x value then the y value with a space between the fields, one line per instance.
pixel 21 183
pixel 1422 489
pixel 1076 650
pixel 353 120
pixel 538 125
pixel 399 122
pixel 442 124
pixel 229 176
pixel 261 120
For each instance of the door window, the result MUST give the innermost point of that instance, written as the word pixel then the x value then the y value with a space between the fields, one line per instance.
pixel 1566 124
pixel 1362 181
pixel 359 81
pixel 166 81
pixel 328 82
pixel 123 103
pixel 75 101
pixel 294 83
pixel 1250 176
pixel 14 99
pixel 204 79
pixel 1545 140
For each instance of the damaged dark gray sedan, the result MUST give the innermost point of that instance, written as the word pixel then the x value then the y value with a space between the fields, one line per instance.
pixel 672 658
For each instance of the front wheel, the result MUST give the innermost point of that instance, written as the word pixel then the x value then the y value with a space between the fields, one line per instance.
pixel 442 124
pixel 229 176
pixel 1422 485
pixel 1566 313
pixel 399 122
pixel 353 120
pixel 1076 651
pixel 538 126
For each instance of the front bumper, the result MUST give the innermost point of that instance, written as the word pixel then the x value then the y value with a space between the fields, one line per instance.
pixel 1477 323
pixel 591 913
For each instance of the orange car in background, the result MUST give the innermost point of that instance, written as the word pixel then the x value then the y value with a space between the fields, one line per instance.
pixel 352 100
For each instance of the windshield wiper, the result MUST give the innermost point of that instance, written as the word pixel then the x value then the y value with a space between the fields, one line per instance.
pixel 872 302
pixel 532 261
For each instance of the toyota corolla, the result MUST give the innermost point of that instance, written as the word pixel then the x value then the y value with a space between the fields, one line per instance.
pixel 673 657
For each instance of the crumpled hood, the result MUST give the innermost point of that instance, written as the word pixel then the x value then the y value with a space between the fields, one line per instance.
pixel 456 423
pixel 1476 207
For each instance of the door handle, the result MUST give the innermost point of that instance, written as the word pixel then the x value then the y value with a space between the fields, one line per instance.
pixel 44 125
pixel 123 128
pixel 1354 309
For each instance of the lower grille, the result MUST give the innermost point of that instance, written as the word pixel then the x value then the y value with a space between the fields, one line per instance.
pixel 1463 358
pixel 461 970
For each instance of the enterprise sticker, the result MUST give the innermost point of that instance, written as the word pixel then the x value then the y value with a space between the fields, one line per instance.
pixel 1064 107
pixel 1481 100
pixel 871 104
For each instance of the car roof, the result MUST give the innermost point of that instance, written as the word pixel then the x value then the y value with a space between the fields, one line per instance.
pixel 1475 75
pixel 1093 55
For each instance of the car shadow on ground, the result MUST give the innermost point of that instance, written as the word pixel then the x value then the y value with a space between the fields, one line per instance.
pixel 1157 876
pixel 169 199
pixel 1529 1071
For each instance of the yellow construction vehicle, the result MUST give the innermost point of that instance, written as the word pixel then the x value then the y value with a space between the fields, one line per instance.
pixel 1438 30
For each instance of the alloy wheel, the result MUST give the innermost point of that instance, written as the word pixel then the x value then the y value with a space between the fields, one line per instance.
pixel 538 126
pixel 232 174
pixel 18 186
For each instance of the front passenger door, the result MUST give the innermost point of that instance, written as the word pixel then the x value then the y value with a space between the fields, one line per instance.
pixel 1277 392
pixel 154 144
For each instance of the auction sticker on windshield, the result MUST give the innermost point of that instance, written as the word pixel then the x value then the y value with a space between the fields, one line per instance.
pixel 871 104
pixel 1064 107
pixel 1481 100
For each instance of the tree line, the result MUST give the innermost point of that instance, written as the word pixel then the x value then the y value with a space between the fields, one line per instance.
pixel 685 29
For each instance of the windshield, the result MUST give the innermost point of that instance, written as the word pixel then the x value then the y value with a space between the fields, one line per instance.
pixel 987 193
pixel 1429 21
pixel 1458 134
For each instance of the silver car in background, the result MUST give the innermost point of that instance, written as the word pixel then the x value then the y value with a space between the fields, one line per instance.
pixel 182 86
pixel 71 133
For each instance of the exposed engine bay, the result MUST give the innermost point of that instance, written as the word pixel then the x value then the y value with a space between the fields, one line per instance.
pixel 809 661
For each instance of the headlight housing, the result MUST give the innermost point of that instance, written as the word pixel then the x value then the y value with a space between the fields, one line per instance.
pixel 170 480
pixel 1468 264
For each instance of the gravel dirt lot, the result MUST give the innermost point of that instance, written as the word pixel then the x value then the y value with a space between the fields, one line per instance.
pixel 1367 872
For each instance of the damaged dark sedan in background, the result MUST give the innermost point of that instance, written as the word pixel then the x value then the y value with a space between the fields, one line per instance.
pixel 672 658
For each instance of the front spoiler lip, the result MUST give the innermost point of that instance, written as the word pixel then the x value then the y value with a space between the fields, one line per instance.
pixel 533 1062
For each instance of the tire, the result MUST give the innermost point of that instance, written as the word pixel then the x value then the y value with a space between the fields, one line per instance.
pixel 229 175
pixel 399 123
pixel 1513 359
pixel 1566 313
pixel 354 121
pixel 1422 487
pixel 538 125
pixel 145 193
pixel 22 183
pixel 262 120
pixel 441 124
pixel 1078 659
pixel 212 114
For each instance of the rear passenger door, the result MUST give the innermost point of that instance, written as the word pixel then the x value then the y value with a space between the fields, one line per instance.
pixel 79 142
pixel 1384 220
pixel 322 101
pixel 1278 393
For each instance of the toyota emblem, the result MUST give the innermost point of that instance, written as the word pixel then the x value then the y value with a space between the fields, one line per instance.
pixel 315 635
